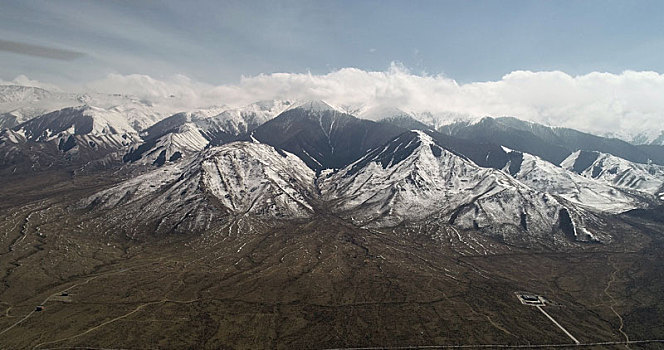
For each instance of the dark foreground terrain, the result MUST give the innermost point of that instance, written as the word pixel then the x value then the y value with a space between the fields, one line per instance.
pixel 316 284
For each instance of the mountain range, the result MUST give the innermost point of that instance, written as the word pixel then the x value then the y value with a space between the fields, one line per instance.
pixel 296 224
pixel 514 180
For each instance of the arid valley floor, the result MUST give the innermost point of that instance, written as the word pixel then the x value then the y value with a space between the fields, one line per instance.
pixel 312 284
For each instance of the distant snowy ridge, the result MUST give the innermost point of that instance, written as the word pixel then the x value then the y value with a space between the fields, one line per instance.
pixel 82 120
pixel 604 167
pixel 598 196
pixel 80 129
pixel 184 134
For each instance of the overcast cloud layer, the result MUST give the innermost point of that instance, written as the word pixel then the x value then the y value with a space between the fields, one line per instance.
pixel 623 104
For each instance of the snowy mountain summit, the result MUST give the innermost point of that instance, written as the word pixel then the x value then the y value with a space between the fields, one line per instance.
pixel 317 106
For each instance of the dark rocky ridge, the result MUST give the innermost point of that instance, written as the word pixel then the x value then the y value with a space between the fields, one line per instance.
pixel 552 144
pixel 325 139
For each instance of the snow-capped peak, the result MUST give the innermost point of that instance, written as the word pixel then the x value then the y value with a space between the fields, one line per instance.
pixel 315 106
pixel 244 119
pixel 383 112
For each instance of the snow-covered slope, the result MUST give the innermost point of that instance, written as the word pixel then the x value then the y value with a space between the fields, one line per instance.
pixel 10 120
pixel 237 178
pixel 256 178
pixel 595 195
pixel 439 120
pixel 396 117
pixel 607 168
pixel 26 102
pixel 10 146
pixel 242 120
pixel 659 140
pixel 413 178
pixel 180 135
pixel 648 137
pixel 139 115
pixel 19 104
pixel 11 137
pixel 18 93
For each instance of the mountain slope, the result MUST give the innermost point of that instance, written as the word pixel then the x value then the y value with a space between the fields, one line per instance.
pixel 551 144
pixel 10 119
pixel 484 154
pixel 245 119
pixel 493 131
pixel 19 104
pixel 18 156
pixel 406 122
pixel 83 128
pixel 139 114
pixel 322 136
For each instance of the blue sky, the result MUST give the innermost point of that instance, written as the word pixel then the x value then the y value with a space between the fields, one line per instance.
pixel 217 42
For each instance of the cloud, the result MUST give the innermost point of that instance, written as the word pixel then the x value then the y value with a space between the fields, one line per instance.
pixel 624 104
pixel 39 51
pixel 147 87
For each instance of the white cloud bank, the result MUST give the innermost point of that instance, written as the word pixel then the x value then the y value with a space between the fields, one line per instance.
pixel 624 104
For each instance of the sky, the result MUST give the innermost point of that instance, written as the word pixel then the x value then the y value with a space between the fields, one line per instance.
pixel 519 55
